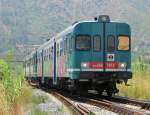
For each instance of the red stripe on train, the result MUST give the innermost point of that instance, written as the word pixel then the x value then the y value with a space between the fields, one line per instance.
pixel 100 65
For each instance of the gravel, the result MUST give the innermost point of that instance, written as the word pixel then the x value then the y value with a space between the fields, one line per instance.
pixel 52 106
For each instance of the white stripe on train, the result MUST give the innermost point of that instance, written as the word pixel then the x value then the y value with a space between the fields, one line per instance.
pixel 77 70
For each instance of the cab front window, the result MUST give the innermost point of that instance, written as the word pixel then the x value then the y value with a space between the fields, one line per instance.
pixel 83 42
pixel 111 43
pixel 123 43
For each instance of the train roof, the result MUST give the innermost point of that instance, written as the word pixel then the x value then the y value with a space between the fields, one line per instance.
pixel 61 34
pixel 64 33
pixel 29 56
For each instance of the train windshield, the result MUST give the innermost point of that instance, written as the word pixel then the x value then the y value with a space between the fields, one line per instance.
pixel 111 43
pixel 83 42
pixel 123 43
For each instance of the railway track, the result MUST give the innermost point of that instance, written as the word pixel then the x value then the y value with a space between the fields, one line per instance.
pixel 143 104
pixel 117 108
pixel 104 104
pixel 114 104
pixel 76 106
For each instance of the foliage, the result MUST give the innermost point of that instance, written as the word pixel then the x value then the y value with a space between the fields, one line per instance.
pixel 12 82
pixel 38 112
pixel 139 85
pixel 39 99
pixel 26 22
pixel 4 108
pixel 14 90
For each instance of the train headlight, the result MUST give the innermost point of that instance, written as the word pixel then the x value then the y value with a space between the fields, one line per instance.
pixel 104 18
pixel 84 65
pixel 123 65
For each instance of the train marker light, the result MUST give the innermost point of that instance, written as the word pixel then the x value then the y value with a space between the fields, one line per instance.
pixel 123 65
pixel 103 18
pixel 84 65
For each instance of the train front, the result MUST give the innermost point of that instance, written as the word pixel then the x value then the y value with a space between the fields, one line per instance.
pixel 102 55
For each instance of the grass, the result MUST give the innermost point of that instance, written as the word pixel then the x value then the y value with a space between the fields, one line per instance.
pixel 39 99
pixel 139 85
pixel 61 109
pixel 15 92
pixel 38 112
pixel 4 108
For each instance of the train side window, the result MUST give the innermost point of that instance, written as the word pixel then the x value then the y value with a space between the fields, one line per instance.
pixel 70 44
pixel 61 48
pixel 123 43
pixel 52 51
pixel 65 46
pixel 49 53
pixel 83 42
pixel 97 43
pixel 57 49
pixel 110 43
pixel 46 54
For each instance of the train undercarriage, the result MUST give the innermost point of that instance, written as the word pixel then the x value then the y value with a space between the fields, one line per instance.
pixel 104 82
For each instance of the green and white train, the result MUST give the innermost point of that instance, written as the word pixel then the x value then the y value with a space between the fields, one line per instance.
pixel 87 55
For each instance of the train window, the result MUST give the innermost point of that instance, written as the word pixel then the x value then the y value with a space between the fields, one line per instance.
pixel 57 49
pixel 123 43
pixel 97 43
pixel 83 42
pixel 68 44
pixel 111 43
pixel 61 48
pixel 49 53
pixel 65 46
pixel 71 44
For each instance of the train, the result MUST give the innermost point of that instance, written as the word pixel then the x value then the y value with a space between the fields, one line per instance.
pixel 88 55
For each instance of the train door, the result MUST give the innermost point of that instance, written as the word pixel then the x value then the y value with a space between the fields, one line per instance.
pixel 42 66
pixel 54 65
pixel 110 46
pixel 35 65
pixel 97 47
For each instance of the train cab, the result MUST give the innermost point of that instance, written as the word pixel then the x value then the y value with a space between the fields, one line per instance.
pixel 102 54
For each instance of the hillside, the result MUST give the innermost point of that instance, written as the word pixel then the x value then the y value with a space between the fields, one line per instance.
pixel 32 22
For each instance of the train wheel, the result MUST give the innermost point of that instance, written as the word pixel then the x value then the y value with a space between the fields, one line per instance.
pixel 100 92
pixel 111 89
pixel 109 93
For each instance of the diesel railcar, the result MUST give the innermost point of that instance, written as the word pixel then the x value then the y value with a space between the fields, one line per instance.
pixel 87 55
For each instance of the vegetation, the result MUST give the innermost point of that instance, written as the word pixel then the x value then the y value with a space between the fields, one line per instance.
pixel 38 112
pixel 140 84
pixel 26 22
pixel 39 99
pixel 14 90
pixel 17 96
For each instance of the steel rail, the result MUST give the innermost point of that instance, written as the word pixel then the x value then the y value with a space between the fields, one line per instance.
pixel 143 104
pixel 106 104
pixel 114 107
pixel 76 107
